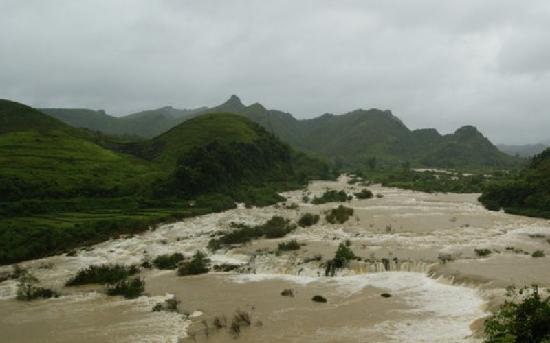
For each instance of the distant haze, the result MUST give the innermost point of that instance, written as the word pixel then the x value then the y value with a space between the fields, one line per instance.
pixel 434 63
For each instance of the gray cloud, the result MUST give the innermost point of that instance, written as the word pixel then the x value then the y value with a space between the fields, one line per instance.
pixel 433 63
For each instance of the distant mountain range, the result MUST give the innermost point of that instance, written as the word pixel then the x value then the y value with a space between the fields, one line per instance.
pixel 351 139
pixel 526 150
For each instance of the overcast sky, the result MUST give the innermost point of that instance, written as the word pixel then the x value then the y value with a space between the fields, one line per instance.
pixel 434 63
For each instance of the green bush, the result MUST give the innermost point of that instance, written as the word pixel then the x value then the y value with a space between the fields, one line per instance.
pixel 339 215
pixel 331 196
pixel 102 274
pixel 129 289
pixel 341 258
pixel 275 227
pixel 364 194
pixel 28 288
pixel 168 261
pixel 197 265
pixel 538 253
pixel 287 246
pixel 308 219
pixel 319 299
pixel 482 252
pixel 524 318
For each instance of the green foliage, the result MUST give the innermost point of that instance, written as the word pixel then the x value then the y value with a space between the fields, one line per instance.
pixel 524 318
pixel 339 215
pixel 538 253
pixel 364 194
pixel 288 246
pixel 341 259
pixel 482 252
pixel 526 194
pixel 308 219
pixel 61 187
pixel 28 288
pixel 168 261
pixel 319 299
pixel 129 289
pixel 331 196
pixel 102 274
pixel 197 265
pixel 275 227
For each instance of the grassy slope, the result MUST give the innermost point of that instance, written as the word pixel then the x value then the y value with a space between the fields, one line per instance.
pixel 64 190
pixel 220 127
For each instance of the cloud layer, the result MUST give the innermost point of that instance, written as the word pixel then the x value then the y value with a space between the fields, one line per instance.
pixel 434 63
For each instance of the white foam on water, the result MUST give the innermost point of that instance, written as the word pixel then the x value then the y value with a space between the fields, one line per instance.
pixel 444 312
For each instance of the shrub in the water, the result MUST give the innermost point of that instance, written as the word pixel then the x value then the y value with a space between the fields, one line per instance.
pixel 331 196
pixel 339 215
pixel 168 261
pixel 319 299
pixel 28 288
pixel 288 292
pixel 364 194
pixel 102 274
pixel 482 252
pixel 129 289
pixel 197 265
pixel 538 253
pixel 290 245
pixel 308 219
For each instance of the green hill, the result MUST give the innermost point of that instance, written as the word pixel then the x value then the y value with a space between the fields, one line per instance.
pixel 62 187
pixel 18 117
pixel 146 124
pixel 361 135
pixel 526 194
pixel 351 139
pixel 42 157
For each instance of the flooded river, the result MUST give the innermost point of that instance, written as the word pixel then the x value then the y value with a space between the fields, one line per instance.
pixel 401 237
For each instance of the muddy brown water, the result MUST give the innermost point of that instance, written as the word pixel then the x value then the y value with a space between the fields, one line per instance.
pixel 430 301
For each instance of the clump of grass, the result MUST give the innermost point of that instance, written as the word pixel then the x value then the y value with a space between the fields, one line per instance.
pixel 482 252
pixel 197 265
pixel 129 289
pixel 102 274
pixel 169 261
pixel 308 219
pixel 538 253
pixel 331 196
pixel 364 194
pixel 339 215
pixel 241 318
pixel 288 246
pixel 319 299
pixel 385 295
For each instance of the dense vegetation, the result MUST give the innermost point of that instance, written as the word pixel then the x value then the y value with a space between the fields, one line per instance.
pixel 331 196
pixel 308 219
pixel 62 187
pixel 275 227
pixel 102 274
pixel 128 288
pixel 524 318
pixel 358 138
pixel 341 259
pixel 168 261
pixel 339 215
pixel 197 265
pixel 526 194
